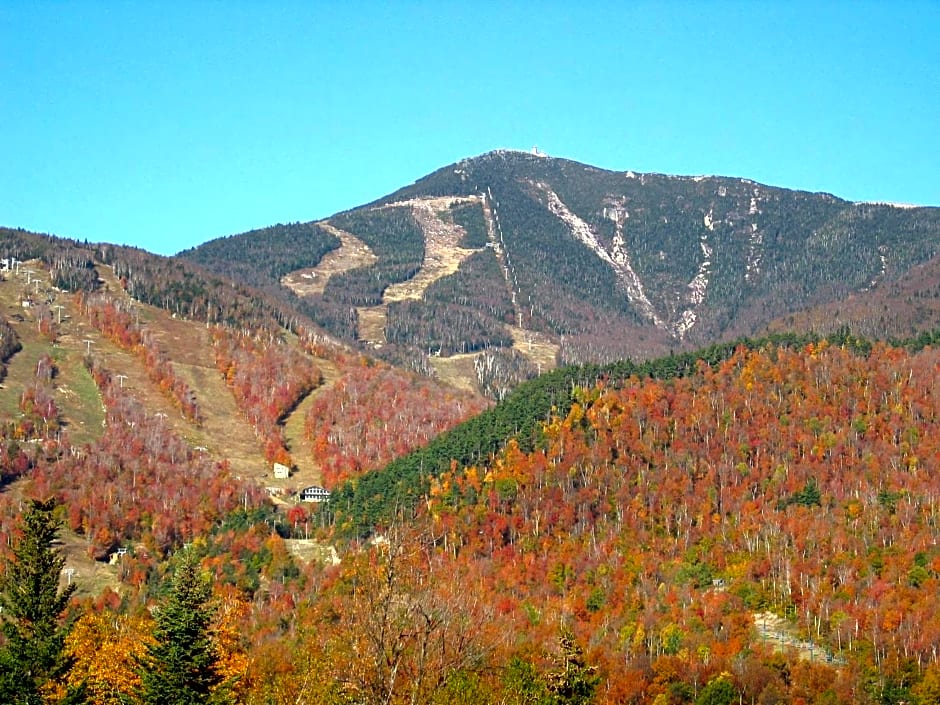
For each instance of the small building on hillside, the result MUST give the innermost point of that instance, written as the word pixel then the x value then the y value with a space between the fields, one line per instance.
pixel 314 494
pixel 281 471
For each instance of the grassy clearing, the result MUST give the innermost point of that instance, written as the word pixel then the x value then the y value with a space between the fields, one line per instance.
pixel 225 432
pixel 76 394
pixel 456 370
pixel 92 577
pixel 307 470
pixel 21 372
pixel 21 368
pixel 372 324
pixel 352 253
pixel 77 397
pixel 442 255
pixel 538 347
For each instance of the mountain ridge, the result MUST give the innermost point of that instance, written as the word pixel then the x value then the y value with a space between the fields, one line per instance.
pixel 604 264
pixel 552 261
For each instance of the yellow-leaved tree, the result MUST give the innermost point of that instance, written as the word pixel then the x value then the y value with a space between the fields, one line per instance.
pixel 106 648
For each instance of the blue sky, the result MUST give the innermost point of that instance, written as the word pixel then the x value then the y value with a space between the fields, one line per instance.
pixel 163 125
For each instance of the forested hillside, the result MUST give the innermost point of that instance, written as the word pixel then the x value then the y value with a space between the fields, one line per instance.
pixel 375 497
pixel 152 424
pixel 752 520
pixel 659 516
pixel 753 524
pixel 758 519
pixel 172 284
pixel 604 265
pixel 260 258
pixel 709 256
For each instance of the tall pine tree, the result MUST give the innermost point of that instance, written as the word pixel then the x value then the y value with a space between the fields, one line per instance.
pixel 32 657
pixel 181 664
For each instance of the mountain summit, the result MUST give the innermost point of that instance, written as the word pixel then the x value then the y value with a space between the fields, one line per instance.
pixel 566 262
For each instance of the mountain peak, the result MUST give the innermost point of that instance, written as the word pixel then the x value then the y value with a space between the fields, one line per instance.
pixel 538 259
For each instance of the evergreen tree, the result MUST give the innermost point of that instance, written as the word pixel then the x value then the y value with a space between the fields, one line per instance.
pixel 572 681
pixel 181 664
pixel 32 656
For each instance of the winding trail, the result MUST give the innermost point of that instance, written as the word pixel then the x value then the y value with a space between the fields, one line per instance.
pixel 442 257
pixel 352 253
pixel 442 253
pixel 307 469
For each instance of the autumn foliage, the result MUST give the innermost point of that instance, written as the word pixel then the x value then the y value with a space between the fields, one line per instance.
pixel 140 482
pixel 662 516
pixel 267 378
pixel 117 322
pixel 376 413
pixel 761 527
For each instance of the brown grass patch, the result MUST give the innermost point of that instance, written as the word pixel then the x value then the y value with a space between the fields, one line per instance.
pixel 91 577
pixel 372 324
pixel 457 371
pixel 225 432
pixel 352 253
pixel 538 347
